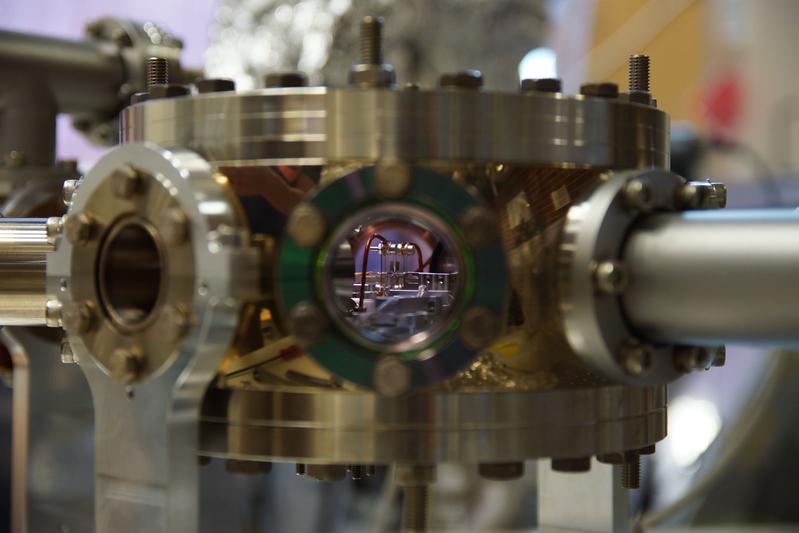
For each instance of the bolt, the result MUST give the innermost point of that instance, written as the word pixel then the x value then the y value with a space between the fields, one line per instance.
pixel 356 471
pixel 306 225
pixel 637 194
pixel 501 471
pixel 125 181
pixel 415 508
pixel 572 464
pixel 631 471
pixel 286 79
pixel 77 317
pixel 78 228
pixel 689 196
pixel 215 85
pixel 67 355
pixel 391 377
pixel 600 90
pixel 638 70
pixel 68 191
pixel 544 85
pixel 478 328
pixel 174 227
pixel 614 458
pixel 126 365
pixel 15 159
pixel 372 40
pixel 157 72
pixel 300 469
pixel 610 277
pixel 177 321
pixel 464 79
pixel 719 356
pixel 370 470
pixel 308 323
pixel 479 226
pixel 52 313
pixel 635 358
pixel 392 180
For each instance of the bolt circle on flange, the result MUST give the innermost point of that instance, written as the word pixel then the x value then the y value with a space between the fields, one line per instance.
pixel 78 317
pixel 638 195
pixel 610 277
pixel 125 181
pixel 126 364
pixel 635 358
pixel 393 181
pixel 305 269
pixel 306 225
pixel 175 226
pixel 391 377
pixel 308 322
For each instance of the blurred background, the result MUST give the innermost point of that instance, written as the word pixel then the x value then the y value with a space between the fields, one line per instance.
pixel 724 69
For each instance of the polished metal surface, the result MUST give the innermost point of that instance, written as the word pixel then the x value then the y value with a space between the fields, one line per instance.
pixel 714 277
pixel 23 246
pixel 349 427
pixel 315 125
pixel 146 470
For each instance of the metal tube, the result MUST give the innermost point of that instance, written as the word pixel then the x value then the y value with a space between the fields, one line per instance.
pixel 715 277
pixel 23 248
pixel 84 76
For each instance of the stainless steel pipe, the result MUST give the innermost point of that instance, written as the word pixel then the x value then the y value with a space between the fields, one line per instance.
pixel 24 244
pixel 713 277
pixel 83 76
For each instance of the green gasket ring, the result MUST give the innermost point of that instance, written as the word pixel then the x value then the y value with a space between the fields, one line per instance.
pixel 299 271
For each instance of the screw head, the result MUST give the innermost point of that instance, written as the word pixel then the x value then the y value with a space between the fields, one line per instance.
pixel 215 85
pixel 78 228
pixel 174 227
pixel 77 317
pixel 610 277
pixel 635 358
pixel 125 181
pixel 638 195
pixel 126 365
pixel 600 90
pixel 478 328
pixel 68 191
pixel 393 180
pixel 391 377
pixel 479 226
pixel 543 85
pixel 464 79
pixel 306 225
pixel 308 322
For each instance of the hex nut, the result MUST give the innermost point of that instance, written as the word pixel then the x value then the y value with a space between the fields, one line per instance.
pixel 367 76
pixel 68 191
pixel 286 79
pixel 77 317
pixel 215 85
pixel 637 194
pixel 464 79
pixel 600 90
pixel 610 277
pixel 177 321
pixel 306 225
pixel 572 464
pixel 635 358
pixel 478 328
pixel 126 365
pixel 66 353
pixel 78 228
pixel 125 181
pixel 391 377
pixel 501 471
pixel 393 180
pixel 308 322
pixel 543 85
pixel 479 226
pixel 168 91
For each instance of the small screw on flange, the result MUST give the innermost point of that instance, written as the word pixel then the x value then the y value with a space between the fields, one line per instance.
pixel 638 73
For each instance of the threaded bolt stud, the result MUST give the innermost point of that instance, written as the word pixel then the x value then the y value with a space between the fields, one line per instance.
pixel 372 40
pixel 157 72
pixel 639 73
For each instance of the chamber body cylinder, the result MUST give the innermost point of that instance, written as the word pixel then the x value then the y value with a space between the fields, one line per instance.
pixel 23 269
pixel 715 277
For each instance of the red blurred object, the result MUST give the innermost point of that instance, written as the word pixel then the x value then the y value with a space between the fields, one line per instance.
pixel 723 104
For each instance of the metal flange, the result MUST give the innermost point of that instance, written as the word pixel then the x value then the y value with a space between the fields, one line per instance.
pixel 431 199
pixel 592 276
